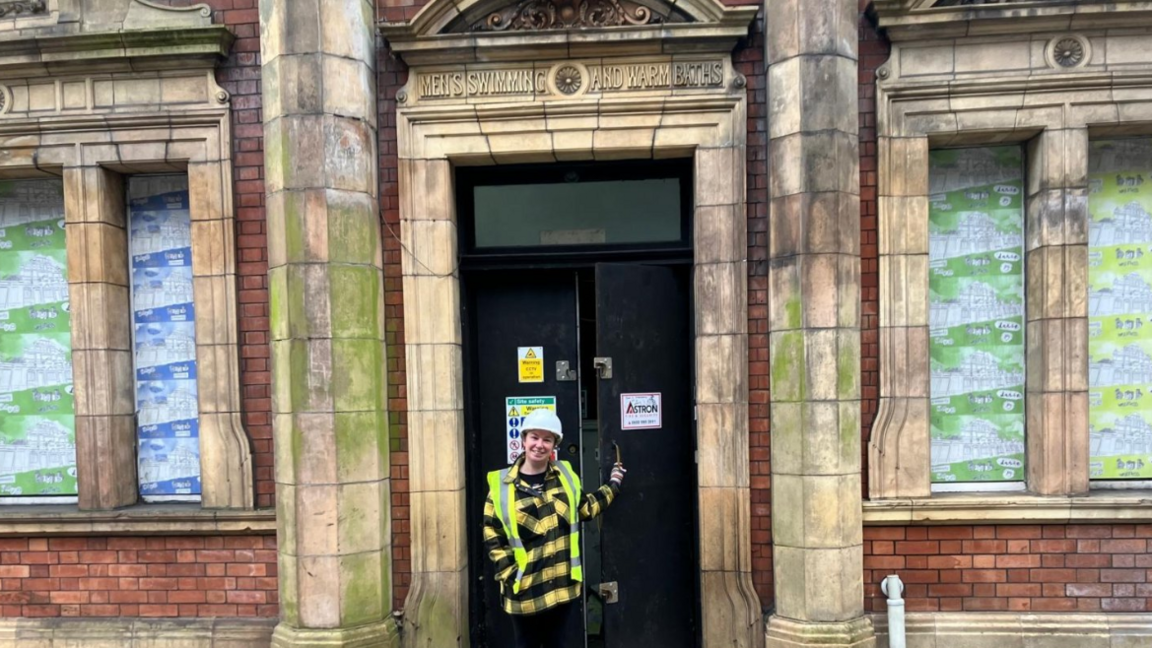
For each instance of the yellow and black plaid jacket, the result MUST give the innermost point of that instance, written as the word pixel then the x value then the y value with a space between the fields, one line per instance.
pixel 543 520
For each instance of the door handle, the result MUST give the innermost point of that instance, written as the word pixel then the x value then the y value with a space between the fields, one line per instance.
pixel 603 367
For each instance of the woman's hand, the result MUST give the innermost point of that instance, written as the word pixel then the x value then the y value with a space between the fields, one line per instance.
pixel 617 474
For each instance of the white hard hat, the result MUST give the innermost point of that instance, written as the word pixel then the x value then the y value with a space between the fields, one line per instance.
pixel 543 419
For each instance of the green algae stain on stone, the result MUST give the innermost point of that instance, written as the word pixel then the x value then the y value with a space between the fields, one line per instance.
pixel 353 228
pixel 847 370
pixel 792 313
pixel 358 375
pixel 355 301
pixel 788 367
pixel 361 591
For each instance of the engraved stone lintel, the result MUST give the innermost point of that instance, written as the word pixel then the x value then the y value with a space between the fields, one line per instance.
pixel 568 79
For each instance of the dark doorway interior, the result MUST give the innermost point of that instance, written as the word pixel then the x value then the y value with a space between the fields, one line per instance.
pixel 589 289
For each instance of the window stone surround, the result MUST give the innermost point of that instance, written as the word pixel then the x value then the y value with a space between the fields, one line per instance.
pixel 987 91
pixel 93 148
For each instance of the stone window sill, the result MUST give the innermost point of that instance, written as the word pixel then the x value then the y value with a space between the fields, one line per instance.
pixel 1013 508
pixel 144 519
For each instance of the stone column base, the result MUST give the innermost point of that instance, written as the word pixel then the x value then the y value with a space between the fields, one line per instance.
pixel 376 635
pixel 788 633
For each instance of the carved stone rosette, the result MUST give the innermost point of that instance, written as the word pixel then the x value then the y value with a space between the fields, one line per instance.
pixel 539 15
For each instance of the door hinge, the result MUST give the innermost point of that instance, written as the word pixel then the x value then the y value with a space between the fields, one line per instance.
pixel 610 592
pixel 603 367
pixel 564 372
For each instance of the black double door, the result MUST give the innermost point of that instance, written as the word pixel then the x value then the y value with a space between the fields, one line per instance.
pixel 624 332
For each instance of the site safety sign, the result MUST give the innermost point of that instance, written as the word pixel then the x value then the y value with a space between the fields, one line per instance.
pixel 516 408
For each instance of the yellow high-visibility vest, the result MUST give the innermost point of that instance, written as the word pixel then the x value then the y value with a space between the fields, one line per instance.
pixel 504 500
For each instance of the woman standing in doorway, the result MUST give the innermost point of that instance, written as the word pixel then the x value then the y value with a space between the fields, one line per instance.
pixel 532 532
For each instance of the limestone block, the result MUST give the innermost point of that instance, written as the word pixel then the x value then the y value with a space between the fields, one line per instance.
pixel 788 357
pixel 286 538
pixel 431 247
pixel 785 84
pixel 721 291
pixel 352 234
pixel 363 597
pixel 356 295
pixel 720 233
pixel 857 633
pixel 1001 56
pixel 426 190
pixel 434 377
pixel 436 610
pixel 719 176
pixel 207 182
pixel 1057 443
pixel 360 507
pixel 830 285
pixel 785 311
pixel 907 164
pixel 212 243
pixel 106 461
pixel 317 516
pixel 100 316
pixel 933 59
pixel 725 530
pixel 347 30
pixel 349 154
pixel 302 375
pixel 721 365
pixel 225 461
pixel 899 450
pixel 904 281
pixel 97 252
pixel 815 438
pixel 905 370
pixel 358 383
pixel 313 439
pixel 296 147
pixel 814 162
pixel 570 146
pixel 432 310
pixel 820 365
pixel 215 307
pixel 362 445
pixel 903 225
pixel 439 537
pixel 732 617
pixel 819 584
pixel 218 369
pixel 816 511
pixel 318 579
pixel 103 382
pixel 722 433
pixel 302 224
pixel 429 468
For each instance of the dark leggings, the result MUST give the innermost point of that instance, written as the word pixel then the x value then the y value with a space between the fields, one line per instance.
pixel 543 630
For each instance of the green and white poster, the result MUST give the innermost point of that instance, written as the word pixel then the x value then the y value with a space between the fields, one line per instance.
pixel 37 417
pixel 976 314
pixel 1120 309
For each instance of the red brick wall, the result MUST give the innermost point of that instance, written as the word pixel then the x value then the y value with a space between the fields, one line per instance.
pixel 748 59
pixel 1084 568
pixel 138 577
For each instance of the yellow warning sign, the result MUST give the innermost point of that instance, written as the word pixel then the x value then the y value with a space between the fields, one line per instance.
pixel 512 413
pixel 531 363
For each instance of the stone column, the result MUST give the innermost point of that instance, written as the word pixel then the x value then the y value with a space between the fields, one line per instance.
pixel 814 322
pixel 327 304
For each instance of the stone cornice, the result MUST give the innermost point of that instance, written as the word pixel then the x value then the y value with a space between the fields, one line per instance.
pixel 130 50
pixel 914 20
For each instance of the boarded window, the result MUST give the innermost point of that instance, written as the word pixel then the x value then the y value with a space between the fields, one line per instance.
pixel 1120 309
pixel 976 316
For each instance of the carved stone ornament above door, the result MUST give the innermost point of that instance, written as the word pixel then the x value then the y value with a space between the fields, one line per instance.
pixel 467 31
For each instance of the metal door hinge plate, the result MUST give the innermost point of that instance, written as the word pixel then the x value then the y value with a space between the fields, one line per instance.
pixel 610 592
pixel 564 372
pixel 603 367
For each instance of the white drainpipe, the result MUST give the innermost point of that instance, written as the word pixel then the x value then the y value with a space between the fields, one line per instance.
pixel 893 588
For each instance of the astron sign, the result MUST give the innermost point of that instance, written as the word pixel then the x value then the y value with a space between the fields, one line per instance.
pixel 641 411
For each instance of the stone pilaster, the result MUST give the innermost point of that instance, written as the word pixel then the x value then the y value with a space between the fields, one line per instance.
pixel 814 320
pixel 1057 312
pixel 326 284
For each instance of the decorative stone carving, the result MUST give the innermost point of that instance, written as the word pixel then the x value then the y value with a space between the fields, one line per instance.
pixel 540 15
pixel 1068 51
pixel 22 7
pixel 568 79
